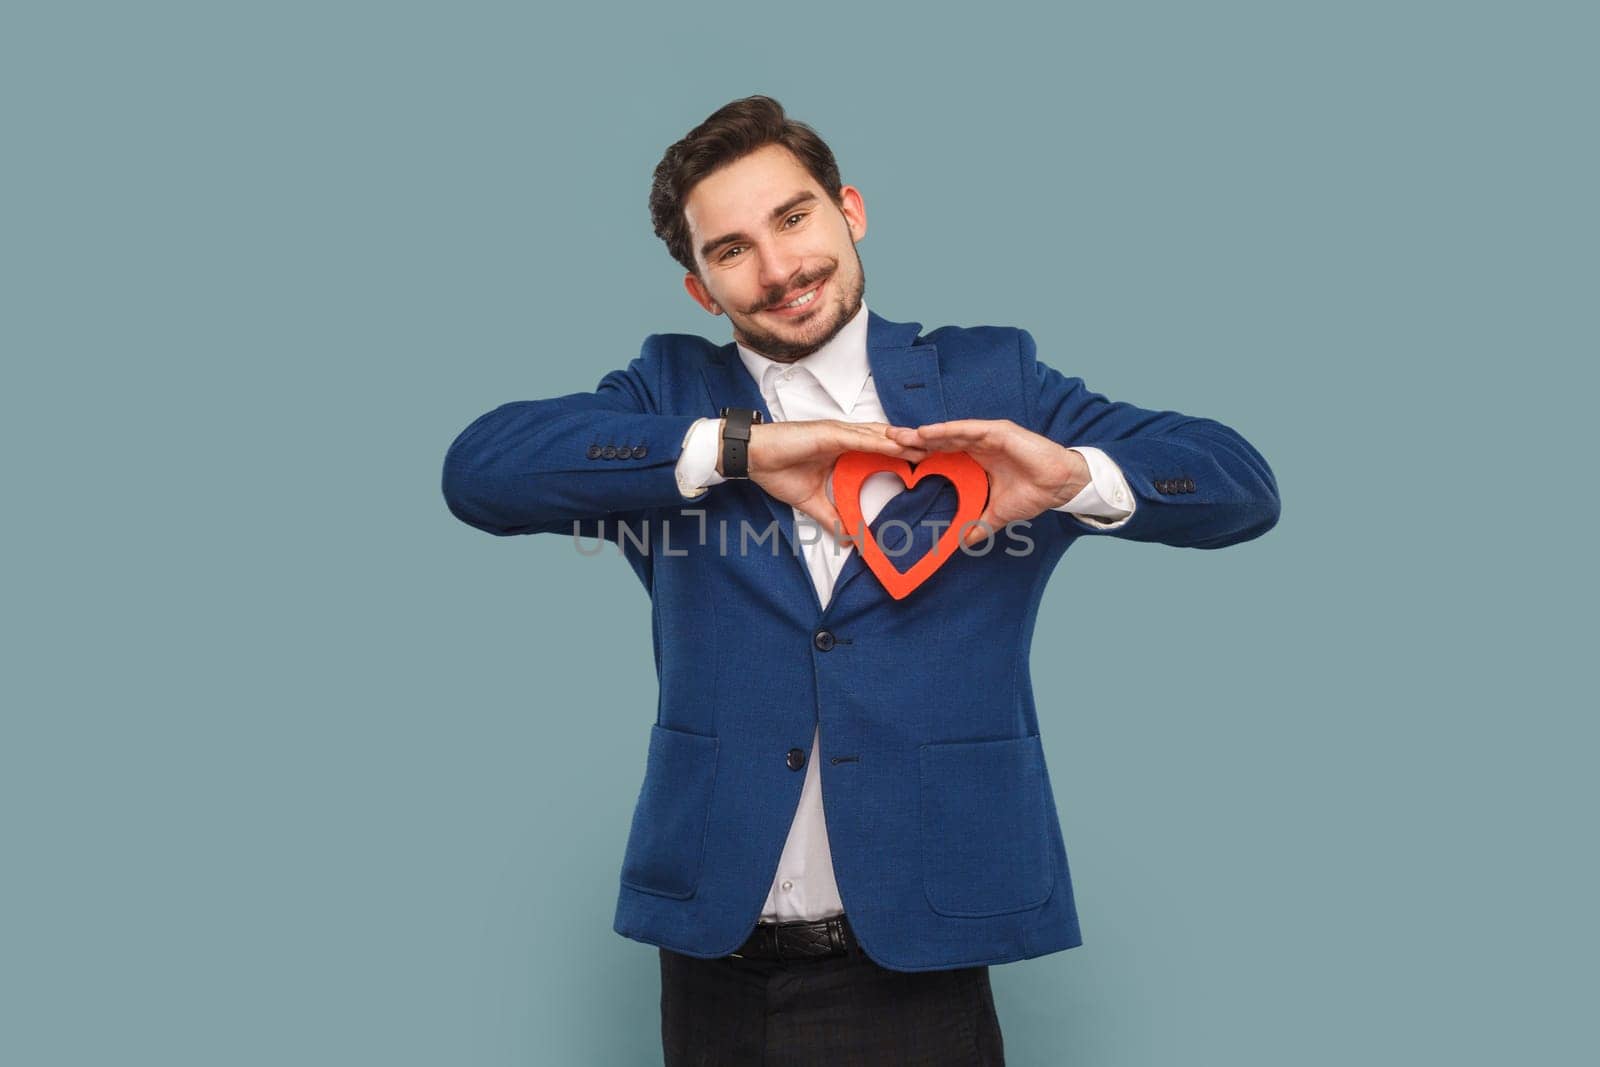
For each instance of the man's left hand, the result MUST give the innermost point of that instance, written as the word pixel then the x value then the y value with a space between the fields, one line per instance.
pixel 1028 473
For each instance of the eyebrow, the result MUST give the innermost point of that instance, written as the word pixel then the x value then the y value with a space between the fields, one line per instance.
pixel 777 213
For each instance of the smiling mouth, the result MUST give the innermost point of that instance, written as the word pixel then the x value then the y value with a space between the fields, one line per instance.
pixel 799 303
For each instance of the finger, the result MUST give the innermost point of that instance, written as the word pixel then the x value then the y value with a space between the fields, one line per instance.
pixel 866 429
pixel 961 426
pixel 882 429
pixel 826 515
pixel 883 432
pixel 955 443
pixel 982 529
pixel 906 435
pixel 953 434
pixel 884 445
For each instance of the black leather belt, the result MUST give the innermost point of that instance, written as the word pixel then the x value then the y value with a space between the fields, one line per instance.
pixel 798 940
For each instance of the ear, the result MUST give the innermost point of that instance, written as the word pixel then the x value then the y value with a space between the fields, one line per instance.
pixel 854 210
pixel 699 293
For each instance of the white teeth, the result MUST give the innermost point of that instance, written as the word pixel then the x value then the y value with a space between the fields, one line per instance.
pixel 802 300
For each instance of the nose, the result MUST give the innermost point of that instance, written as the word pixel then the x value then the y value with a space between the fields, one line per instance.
pixel 778 267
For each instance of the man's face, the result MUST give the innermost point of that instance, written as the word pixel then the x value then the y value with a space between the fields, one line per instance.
pixel 765 233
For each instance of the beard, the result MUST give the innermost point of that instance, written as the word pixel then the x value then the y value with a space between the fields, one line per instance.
pixel 842 307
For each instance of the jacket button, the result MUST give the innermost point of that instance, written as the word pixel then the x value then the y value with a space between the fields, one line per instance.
pixel 594 451
pixel 1163 486
pixel 797 759
pixel 608 452
pixel 1188 485
pixel 823 640
pixel 639 451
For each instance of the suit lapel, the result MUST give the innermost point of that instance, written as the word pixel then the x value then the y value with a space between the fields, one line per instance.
pixel 906 377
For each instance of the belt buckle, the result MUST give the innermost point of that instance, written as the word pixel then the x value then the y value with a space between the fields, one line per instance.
pixel 769 938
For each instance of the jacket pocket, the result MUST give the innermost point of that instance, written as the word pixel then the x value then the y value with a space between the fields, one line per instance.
pixel 984 842
pixel 667 841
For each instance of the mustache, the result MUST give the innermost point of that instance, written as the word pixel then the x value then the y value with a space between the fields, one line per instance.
pixel 772 296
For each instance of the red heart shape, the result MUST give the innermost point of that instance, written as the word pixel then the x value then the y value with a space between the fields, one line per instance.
pixel 972 493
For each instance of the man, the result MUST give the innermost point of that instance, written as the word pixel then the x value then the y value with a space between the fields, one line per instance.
pixel 859 931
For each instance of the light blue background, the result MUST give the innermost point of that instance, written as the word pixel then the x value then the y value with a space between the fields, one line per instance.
pixel 296 769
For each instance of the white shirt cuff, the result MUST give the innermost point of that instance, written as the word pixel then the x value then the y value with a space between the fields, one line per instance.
pixel 1106 497
pixel 697 464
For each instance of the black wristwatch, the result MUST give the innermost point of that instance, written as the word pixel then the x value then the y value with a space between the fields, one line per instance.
pixel 736 441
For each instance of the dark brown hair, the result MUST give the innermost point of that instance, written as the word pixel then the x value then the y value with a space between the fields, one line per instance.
pixel 730 133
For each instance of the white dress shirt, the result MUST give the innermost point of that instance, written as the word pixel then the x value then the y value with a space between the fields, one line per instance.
pixel 835 382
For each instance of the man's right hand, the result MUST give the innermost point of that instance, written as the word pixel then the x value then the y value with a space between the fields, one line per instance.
pixel 791 461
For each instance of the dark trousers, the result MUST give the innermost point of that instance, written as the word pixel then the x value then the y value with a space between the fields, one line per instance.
pixel 837 1012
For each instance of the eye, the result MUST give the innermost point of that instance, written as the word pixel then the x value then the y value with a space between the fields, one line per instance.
pixel 729 254
pixel 796 215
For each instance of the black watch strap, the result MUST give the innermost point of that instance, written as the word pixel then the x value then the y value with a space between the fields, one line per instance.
pixel 736 441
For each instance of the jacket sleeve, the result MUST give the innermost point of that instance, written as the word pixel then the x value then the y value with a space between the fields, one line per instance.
pixel 1197 483
pixel 535 466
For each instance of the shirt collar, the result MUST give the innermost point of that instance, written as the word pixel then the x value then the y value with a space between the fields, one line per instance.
pixel 840 366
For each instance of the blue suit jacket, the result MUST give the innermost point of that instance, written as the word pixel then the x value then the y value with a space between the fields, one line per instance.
pixel 941 819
